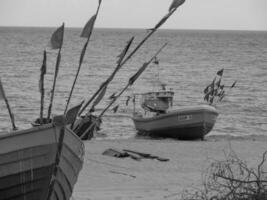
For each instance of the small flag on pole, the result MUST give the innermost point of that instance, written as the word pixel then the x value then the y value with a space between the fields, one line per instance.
pixel 112 96
pixel 115 109
pixel 175 4
pixel 88 28
pixel 125 50
pixel 72 113
pixel 56 40
pixel 220 72
pixel 233 85
pixel 121 57
pixel 156 61
pixel 138 73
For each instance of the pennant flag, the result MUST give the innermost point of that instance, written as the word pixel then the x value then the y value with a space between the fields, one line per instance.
pixel 121 57
pixel 43 72
pixel 138 73
pixel 175 4
pixel 115 109
pixel 112 96
pixel 72 113
pixel 2 92
pixel 88 28
pixel 56 40
pixel 233 85
pixel 156 61
pixel 125 50
pixel 220 72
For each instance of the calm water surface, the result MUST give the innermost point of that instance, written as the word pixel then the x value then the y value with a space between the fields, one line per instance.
pixel 187 65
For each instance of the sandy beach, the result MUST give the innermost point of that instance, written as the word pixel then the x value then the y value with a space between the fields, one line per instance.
pixel 104 177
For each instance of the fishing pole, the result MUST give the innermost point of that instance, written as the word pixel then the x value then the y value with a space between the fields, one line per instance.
pixel 87 32
pixel 56 43
pixel 175 4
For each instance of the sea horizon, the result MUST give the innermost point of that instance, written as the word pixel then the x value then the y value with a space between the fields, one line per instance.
pixel 139 28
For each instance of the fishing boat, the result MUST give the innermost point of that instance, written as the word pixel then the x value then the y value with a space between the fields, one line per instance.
pixel 41 163
pixel 158 119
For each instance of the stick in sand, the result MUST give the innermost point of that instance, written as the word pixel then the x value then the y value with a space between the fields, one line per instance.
pixel 87 32
pixel 130 83
pixel 56 43
pixel 3 96
pixel 173 7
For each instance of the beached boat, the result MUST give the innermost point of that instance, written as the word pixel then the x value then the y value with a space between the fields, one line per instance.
pixel 40 163
pixel 192 122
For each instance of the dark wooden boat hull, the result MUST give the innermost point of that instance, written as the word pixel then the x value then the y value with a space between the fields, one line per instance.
pixel 187 124
pixel 28 166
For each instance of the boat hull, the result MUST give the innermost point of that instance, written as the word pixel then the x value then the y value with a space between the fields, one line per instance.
pixel 187 123
pixel 32 166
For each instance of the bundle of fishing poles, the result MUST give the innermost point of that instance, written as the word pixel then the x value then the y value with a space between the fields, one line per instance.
pixel 87 123
pixel 215 92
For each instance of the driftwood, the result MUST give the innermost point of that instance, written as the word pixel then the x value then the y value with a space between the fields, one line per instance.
pixel 132 154
pixel 147 155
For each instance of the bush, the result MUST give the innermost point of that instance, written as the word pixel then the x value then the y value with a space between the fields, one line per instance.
pixel 232 179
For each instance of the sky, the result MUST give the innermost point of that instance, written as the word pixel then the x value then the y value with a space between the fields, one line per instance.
pixel 193 14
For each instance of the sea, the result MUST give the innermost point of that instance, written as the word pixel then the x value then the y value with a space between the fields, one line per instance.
pixel 187 64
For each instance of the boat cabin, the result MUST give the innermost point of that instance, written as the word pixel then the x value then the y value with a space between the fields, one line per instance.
pixel 158 102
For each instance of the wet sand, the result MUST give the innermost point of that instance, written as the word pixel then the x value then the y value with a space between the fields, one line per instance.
pixel 104 177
